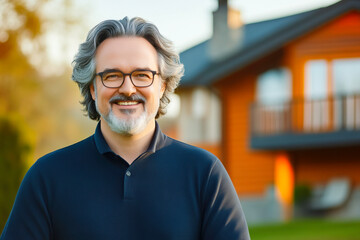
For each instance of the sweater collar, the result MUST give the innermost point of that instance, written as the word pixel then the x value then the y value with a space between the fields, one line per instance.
pixel 157 142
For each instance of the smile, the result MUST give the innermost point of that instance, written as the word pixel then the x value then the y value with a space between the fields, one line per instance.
pixel 127 103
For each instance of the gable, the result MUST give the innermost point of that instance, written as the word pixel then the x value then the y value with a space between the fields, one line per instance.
pixel 341 36
pixel 261 39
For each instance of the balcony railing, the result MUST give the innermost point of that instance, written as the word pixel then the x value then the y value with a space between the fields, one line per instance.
pixel 299 117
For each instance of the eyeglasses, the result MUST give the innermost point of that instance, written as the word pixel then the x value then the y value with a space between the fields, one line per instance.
pixel 114 78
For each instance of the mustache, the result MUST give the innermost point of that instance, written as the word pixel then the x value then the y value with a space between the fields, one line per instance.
pixel 134 97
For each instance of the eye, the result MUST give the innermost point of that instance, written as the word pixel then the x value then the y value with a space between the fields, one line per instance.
pixel 112 76
pixel 142 75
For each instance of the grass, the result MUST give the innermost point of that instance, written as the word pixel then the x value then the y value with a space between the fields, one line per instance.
pixel 309 229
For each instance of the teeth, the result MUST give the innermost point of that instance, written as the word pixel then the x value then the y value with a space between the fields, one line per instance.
pixel 127 103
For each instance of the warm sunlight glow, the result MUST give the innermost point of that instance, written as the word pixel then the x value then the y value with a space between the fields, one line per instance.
pixel 284 178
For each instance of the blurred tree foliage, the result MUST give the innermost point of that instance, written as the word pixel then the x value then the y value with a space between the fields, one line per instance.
pixel 34 85
pixel 42 99
pixel 16 145
pixel 18 23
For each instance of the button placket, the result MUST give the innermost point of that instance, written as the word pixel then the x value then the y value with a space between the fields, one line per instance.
pixel 128 179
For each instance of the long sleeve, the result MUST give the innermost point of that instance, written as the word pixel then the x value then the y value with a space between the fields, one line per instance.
pixel 29 218
pixel 223 217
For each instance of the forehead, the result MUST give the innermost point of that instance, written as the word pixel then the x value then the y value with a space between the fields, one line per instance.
pixel 126 53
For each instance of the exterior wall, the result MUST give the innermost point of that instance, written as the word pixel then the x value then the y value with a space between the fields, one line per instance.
pixel 250 171
pixel 319 166
pixel 337 39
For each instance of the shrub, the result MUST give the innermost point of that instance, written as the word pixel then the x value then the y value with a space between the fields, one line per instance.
pixel 16 147
pixel 302 193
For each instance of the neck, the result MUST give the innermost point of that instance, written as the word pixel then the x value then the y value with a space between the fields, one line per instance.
pixel 129 147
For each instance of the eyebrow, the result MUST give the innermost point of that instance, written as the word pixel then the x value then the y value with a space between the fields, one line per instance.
pixel 117 69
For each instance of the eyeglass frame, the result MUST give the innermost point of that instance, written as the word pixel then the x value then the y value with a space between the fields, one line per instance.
pixel 100 74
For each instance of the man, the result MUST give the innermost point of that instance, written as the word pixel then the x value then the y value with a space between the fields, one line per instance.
pixel 128 180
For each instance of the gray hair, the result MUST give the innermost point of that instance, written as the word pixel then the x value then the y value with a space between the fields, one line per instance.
pixel 171 70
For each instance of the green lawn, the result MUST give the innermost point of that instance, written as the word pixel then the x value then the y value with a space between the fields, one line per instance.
pixel 307 230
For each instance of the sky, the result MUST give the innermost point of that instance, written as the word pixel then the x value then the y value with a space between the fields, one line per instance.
pixel 188 22
pixel 185 22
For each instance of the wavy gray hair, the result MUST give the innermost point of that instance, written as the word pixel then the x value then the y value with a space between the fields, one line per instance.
pixel 171 70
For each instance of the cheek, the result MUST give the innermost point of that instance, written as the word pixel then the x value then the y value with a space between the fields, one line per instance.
pixel 104 95
pixel 152 98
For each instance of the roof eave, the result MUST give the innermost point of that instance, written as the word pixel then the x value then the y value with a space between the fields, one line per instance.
pixel 273 42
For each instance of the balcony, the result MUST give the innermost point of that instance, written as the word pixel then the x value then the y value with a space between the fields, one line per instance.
pixel 301 124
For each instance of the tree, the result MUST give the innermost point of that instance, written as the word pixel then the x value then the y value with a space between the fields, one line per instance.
pixel 16 146
pixel 41 99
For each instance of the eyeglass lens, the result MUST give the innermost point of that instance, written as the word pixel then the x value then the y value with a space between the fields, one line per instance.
pixel 141 78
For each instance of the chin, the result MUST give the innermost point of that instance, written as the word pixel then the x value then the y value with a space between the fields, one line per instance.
pixel 130 126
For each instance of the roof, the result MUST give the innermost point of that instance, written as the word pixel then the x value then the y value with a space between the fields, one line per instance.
pixel 259 39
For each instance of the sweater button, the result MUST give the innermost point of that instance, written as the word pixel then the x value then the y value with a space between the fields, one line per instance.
pixel 128 173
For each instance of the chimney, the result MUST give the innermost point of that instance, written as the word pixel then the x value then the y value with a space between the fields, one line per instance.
pixel 227 31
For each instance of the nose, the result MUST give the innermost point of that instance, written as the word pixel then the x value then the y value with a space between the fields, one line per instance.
pixel 127 88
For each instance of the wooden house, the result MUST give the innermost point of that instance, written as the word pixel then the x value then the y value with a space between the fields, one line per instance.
pixel 278 101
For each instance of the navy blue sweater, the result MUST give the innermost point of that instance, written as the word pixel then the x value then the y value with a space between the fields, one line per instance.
pixel 86 191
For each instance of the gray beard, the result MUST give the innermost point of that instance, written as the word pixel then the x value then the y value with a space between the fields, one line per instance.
pixel 125 126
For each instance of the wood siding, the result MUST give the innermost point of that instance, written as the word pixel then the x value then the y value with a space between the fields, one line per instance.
pixel 250 171
pixel 319 166
pixel 339 38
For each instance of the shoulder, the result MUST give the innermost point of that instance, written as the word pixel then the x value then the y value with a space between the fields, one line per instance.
pixel 190 154
pixel 64 155
pixel 190 149
pixel 198 157
pixel 53 169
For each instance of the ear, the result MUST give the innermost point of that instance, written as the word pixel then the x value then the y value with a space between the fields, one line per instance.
pixel 163 87
pixel 92 91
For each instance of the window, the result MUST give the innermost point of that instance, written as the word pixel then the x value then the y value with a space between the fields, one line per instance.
pixel 316 115
pixel 346 74
pixel 346 80
pixel 199 98
pixel 332 101
pixel 274 87
pixel 316 79
pixel 173 108
pixel 273 92
pixel 200 118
